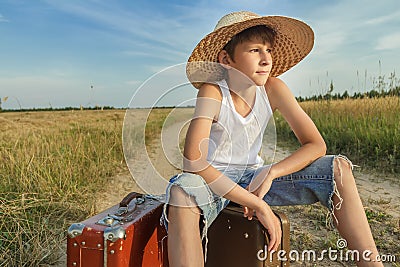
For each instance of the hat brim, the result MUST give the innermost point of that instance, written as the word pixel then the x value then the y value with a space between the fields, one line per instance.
pixel 293 42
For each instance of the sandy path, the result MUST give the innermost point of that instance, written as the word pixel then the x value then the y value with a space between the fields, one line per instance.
pixel 383 190
pixel 165 157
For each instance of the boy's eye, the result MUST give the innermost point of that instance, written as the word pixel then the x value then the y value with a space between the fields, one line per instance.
pixel 256 50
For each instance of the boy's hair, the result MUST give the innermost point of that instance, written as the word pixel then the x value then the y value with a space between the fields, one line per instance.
pixel 260 32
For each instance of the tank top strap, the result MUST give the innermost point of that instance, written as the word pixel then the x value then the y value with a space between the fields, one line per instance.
pixel 223 85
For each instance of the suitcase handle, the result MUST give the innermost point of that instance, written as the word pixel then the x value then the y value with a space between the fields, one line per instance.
pixel 126 200
pixel 285 242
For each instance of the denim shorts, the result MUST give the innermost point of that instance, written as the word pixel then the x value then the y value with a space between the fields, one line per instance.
pixel 314 183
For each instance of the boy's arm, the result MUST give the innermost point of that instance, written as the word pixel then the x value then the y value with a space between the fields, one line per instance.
pixel 312 144
pixel 195 160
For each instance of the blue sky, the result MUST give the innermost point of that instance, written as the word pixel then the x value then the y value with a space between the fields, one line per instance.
pixel 53 52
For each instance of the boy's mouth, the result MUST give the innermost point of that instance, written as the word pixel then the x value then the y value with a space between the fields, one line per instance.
pixel 262 72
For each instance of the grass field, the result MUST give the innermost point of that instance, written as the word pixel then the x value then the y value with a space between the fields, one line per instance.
pixel 53 162
pixel 366 130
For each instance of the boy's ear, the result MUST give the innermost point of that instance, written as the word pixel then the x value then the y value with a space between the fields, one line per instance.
pixel 224 59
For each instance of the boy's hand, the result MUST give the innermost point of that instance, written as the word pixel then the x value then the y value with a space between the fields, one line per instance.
pixel 271 222
pixel 259 187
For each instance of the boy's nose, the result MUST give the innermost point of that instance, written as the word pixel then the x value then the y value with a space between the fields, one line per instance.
pixel 265 59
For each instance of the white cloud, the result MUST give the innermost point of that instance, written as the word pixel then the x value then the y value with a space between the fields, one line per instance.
pixel 150 50
pixel 384 19
pixel 134 22
pixel 346 32
pixel 389 42
pixel 329 43
pixel 3 19
pixel 133 82
pixel 351 22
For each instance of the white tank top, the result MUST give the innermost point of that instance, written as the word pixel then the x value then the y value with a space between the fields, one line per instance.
pixel 235 141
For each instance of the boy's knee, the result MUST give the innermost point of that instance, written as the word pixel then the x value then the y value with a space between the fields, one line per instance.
pixel 183 212
pixel 176 193
pixel 178 197
pixel 342 167
pixel 179 213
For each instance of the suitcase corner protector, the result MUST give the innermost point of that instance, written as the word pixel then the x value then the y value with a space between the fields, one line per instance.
pixel 75 229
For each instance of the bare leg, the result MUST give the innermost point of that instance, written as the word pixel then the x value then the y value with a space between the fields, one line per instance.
pixel 184 242
pixel 352 222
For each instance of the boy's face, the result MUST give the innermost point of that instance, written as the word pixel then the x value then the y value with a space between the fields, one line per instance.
pixel 252 58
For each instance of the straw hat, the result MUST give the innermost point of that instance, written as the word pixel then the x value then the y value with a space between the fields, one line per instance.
pixel 294 40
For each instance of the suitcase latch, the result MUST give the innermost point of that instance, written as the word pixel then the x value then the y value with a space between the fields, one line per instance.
pixel 108 221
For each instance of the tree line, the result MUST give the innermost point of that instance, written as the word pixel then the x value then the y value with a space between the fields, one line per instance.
pixel 381 89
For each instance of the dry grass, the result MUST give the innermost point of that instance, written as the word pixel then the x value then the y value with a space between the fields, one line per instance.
pixel 51 163
pixel 366 130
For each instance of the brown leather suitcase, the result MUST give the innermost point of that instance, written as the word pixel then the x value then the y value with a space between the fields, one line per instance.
pixel 235 241
pixel 128 234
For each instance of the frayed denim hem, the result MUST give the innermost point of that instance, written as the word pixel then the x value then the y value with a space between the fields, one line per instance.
pixel 204 201
pixel 332 206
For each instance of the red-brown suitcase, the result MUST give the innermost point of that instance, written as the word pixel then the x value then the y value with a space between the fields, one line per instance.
pixel 235 241
pixel 128 234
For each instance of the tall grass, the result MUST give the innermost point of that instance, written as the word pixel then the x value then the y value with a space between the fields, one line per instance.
pixel 51 164
pixel 366 130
